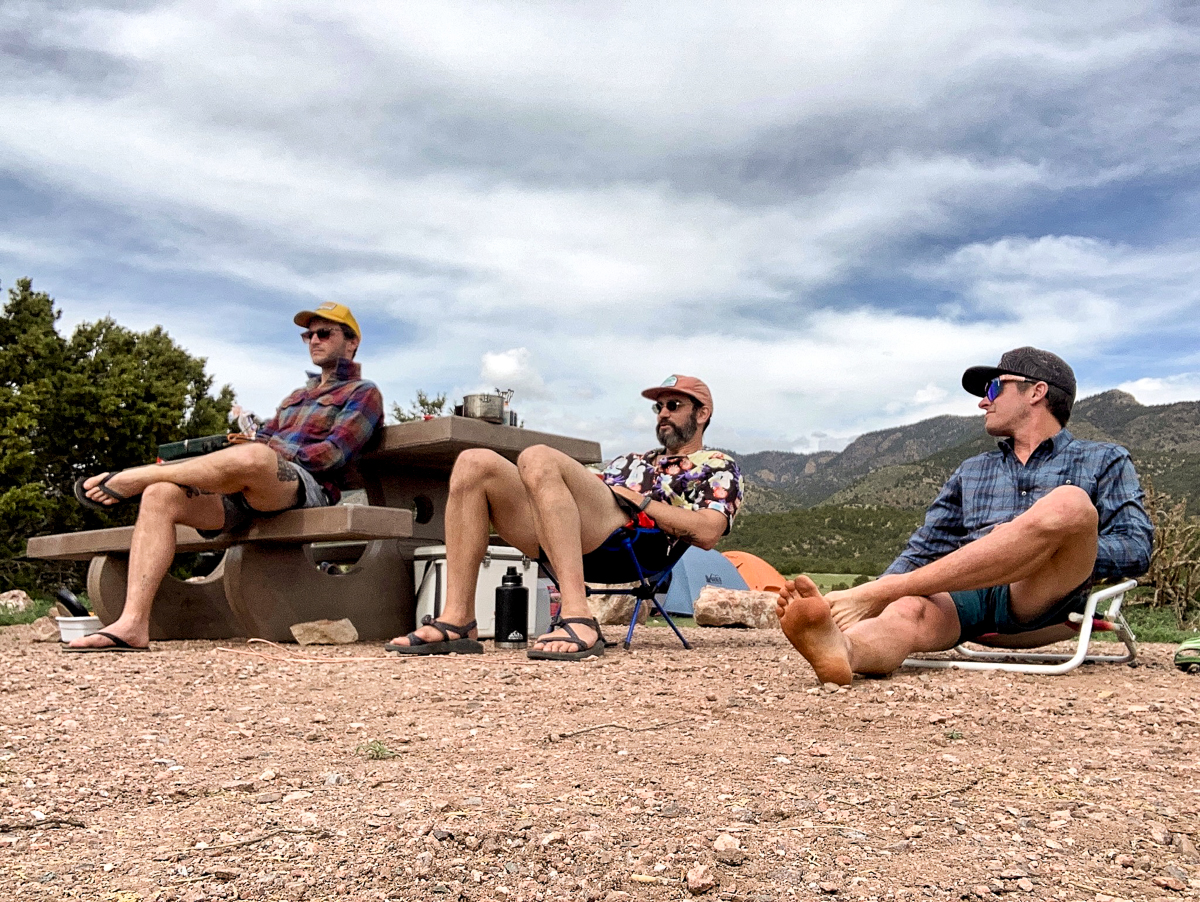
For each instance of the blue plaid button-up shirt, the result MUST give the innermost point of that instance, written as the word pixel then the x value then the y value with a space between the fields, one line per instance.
pixel 994 487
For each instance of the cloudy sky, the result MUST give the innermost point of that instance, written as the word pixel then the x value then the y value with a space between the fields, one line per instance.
pixel 826 211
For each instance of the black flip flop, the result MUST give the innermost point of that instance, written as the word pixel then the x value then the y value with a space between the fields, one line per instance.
pixel 583 650
pixel 463 645
pixel 82 498
pixel 118 645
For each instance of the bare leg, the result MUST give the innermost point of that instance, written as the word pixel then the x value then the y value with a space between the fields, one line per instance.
pixel 253 469
pixel 483 487
pixel 875 646
pixel 150 556
pixel 574 512
pixel 1042 555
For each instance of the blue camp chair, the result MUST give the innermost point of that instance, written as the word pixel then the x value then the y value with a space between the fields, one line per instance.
pixel 616 561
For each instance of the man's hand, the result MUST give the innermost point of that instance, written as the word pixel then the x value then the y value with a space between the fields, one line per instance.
pixel 851 606
pixel 628 493
pixel 239 438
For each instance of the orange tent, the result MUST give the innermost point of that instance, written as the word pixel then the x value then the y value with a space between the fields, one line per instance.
pixel 758 574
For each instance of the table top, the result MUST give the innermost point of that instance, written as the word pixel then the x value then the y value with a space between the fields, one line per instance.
pixel 435 444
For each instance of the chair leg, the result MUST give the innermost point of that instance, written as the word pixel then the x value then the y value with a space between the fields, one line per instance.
pixel 637 609
pixel 671 623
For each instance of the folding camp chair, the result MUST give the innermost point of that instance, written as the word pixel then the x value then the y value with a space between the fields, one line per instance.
pixel 615 562
pixel 1018 661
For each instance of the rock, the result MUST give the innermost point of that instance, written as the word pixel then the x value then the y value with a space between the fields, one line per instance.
pixel 1170 883
pixel 1160 834
pixel 15 601
pixel 615 610
pixel 914 831
pixel 266 798
pixel 44 630
pixel 1025 885
pixel 736 607
pixel 423 863
pixel 829 888
pixel 325 632
pixel 1186 848
pixel 700 880
pixel 725 842
pixel 551 839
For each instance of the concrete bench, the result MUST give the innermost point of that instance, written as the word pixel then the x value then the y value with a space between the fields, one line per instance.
pixel 269 577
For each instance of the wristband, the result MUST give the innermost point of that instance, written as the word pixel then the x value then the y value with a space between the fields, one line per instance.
pixel 646 499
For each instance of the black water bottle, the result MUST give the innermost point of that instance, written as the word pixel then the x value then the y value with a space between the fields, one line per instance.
pixel 512 611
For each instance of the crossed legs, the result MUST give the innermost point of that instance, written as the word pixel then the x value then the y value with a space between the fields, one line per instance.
pixel 1042 555
pixel 169 497
pixel 545 500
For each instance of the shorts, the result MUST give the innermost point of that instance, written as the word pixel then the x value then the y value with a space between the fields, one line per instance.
pixel 239 514
pixel 987 611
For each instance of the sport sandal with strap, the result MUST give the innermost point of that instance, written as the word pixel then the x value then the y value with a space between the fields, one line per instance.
pixel 583 650
pixel 463 645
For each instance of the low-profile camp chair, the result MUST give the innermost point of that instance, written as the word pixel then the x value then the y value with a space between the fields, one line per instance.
pixel 615 563
pixel 1021 661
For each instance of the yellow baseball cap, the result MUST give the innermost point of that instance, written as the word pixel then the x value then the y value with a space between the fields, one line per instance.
pixel 336 313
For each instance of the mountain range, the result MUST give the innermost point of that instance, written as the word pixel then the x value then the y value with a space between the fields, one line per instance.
pixel 904 467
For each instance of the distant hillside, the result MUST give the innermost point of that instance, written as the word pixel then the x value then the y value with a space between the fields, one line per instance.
pixel 903 467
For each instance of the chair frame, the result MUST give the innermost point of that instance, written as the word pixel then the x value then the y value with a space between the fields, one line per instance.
pixel 1050 663
pixel 645 589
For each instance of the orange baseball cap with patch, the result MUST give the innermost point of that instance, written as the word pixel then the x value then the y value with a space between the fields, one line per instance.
pixel 335 313
pixel 685 385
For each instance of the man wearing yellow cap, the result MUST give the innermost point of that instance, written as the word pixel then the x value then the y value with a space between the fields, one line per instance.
pixel 550 505
pixel 295 460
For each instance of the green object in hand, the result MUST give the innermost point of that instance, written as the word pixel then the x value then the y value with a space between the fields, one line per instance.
pixel 193 447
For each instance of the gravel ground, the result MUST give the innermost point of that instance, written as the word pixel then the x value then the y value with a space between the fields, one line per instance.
pixel 196 772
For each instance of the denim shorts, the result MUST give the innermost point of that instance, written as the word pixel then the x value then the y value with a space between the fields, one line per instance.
pixel 239 514
pixel 988 611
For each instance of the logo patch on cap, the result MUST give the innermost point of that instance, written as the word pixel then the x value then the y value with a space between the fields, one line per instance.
pixel 328 305
pixel 669 381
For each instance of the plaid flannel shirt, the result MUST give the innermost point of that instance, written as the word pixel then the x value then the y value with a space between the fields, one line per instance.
pixel 322 427
pixel 994 487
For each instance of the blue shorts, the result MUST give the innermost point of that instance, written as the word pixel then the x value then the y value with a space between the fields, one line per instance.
pixel 986 611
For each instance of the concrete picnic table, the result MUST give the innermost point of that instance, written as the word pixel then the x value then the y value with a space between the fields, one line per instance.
pixel 270 576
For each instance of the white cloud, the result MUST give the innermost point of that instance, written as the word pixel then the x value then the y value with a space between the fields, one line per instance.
pixel 1168 390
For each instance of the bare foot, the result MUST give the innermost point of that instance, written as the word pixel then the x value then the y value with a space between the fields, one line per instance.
pixel 135 635
pixel 808 623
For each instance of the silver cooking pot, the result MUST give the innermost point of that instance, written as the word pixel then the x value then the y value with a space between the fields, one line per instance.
pixel 485 407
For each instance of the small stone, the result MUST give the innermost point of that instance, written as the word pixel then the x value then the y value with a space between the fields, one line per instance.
pixel 297 795
pixel 831 687
pixel 266 798
pixel 1025 885
pixel 325 632
pixel 1176 871
pixel 551 839
pixel 1170 883
pixel 700 879
pixel 819 751
pixel 308 818
pixel 335 779
pixel 980 890
pixel 224 872
pixel 914 831
pixel 423 863
pixel 829 888
pixel 725 842
pixel 1160 834
pixel 238 786
pixel 1186 848
pixel 1124 861
pixel 44 629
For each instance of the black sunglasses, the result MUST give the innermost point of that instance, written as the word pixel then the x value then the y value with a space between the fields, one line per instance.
pixel 672 405
pixel 323 334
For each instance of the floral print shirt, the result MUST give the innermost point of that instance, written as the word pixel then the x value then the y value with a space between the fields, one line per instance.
pixel 702 480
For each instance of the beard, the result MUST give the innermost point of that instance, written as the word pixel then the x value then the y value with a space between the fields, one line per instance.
pixel 673 436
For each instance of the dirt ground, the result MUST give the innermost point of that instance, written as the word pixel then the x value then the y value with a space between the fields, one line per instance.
pixel 194 773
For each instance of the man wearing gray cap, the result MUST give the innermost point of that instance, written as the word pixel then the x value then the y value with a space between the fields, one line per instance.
pixel 1011 546
pixel 549 504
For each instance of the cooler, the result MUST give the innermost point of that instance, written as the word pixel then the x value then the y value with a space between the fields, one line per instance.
pixel 429 572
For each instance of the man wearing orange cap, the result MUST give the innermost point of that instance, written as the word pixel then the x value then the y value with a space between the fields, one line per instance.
pixel 549 504
pixel 295 460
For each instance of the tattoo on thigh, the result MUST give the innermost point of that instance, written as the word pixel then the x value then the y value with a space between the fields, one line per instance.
pixel 286 473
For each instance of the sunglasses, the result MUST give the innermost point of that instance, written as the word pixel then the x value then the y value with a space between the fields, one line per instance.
pixel 672 405
pixel 324 334
pixel 995 386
